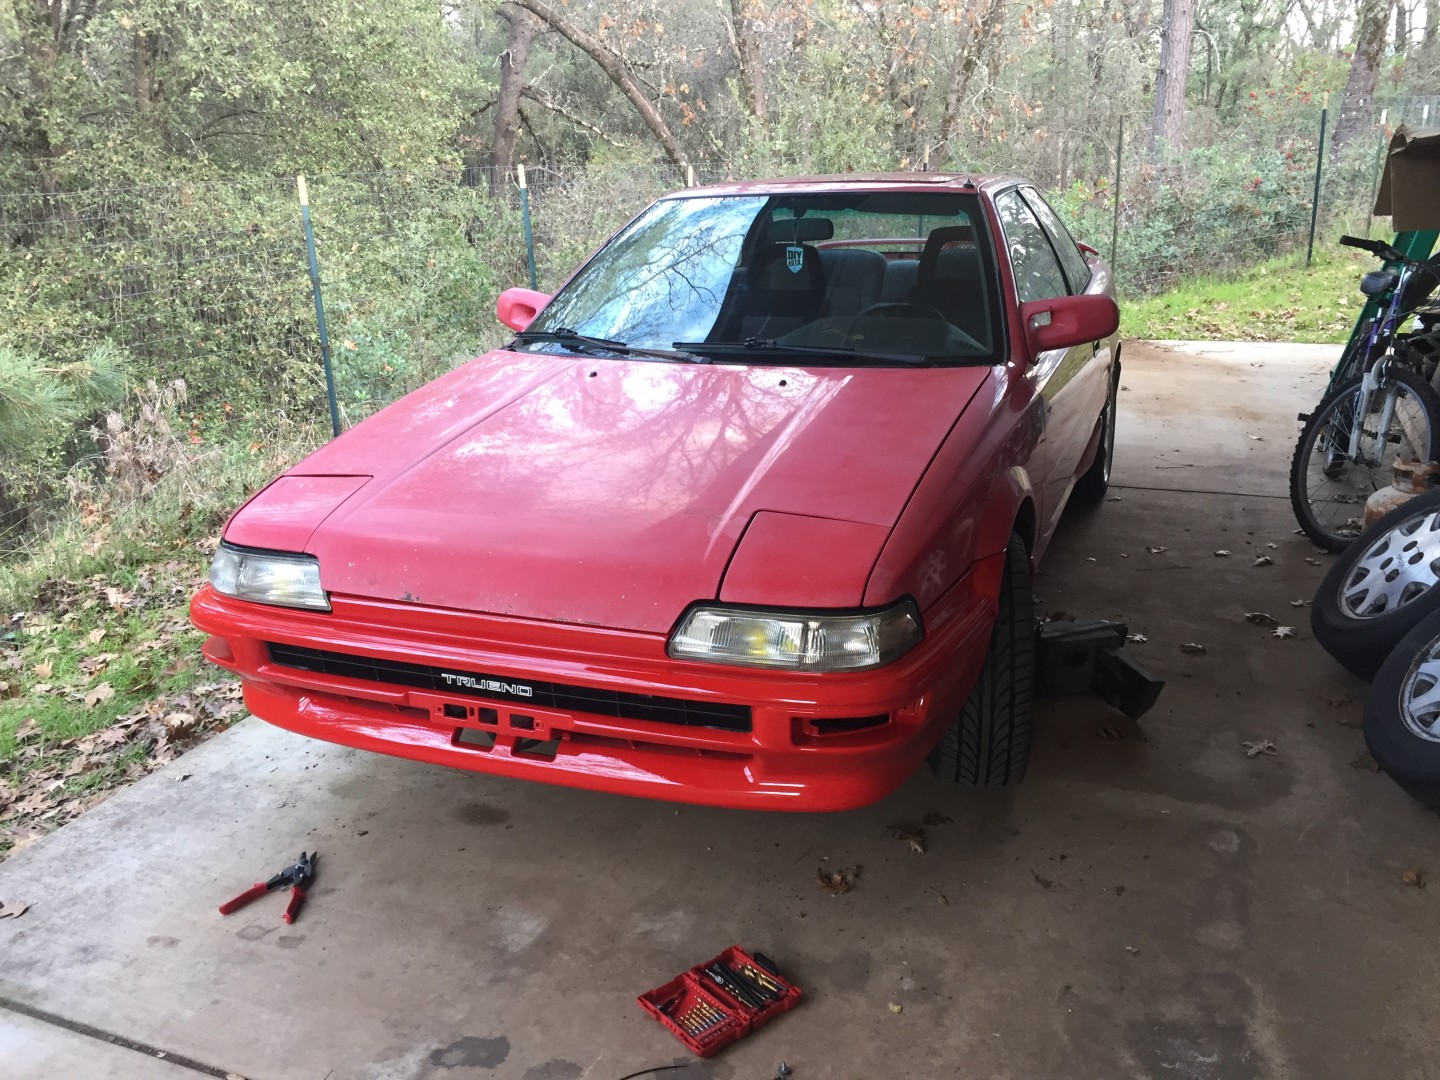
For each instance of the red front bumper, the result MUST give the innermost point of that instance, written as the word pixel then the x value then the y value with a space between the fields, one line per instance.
pixel 783 763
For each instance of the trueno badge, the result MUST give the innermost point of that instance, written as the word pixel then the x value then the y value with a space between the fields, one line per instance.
pixel 488 686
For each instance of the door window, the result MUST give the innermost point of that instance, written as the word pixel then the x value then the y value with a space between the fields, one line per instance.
pixel 1037 272
pixel 1077 270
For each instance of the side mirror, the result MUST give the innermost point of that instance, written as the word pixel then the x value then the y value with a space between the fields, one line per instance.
pixel 1086 249
pixel 1067 321
pixel 517 308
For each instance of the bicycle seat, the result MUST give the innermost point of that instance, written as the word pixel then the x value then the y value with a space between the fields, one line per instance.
pixel 1378 282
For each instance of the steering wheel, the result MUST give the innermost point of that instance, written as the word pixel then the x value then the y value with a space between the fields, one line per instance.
pixel 897 307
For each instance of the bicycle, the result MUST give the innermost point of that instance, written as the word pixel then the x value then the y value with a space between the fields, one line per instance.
pixel 1379 406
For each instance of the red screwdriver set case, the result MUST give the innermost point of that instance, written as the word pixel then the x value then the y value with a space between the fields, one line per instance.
pixel 708 1016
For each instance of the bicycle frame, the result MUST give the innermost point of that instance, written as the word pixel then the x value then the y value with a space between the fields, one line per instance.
pixel 1415 245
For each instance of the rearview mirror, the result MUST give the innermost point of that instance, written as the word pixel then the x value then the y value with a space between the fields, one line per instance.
pixel 1067 321
pixel 517 308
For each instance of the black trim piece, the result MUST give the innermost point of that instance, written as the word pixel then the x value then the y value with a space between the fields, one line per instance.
pixel 581 699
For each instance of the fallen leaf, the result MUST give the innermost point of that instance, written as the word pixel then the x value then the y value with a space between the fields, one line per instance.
pixel 96 636
pixel 1299 603
pixel 44 669
pixel 1115 498
pixel 896 1008
pixel 1414 877
pixel 943 899
pixel 1283 632
pixel 911 835
pixel 1255 749
pixel 1156 550
pixel 836 882
pixel 1259 618
pixel 1364 760
pixel 1138 639
pixel 1193 648
pixel 1273 547
pixel 1043 882
pixel 180 725
pixel 94 696
pixel 1257 438
pixel 1312 562
pixel 12 909
pixel 180 776
pixel 1222 554
pixel 1263 560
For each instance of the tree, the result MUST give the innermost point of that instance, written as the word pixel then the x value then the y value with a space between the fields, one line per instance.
pixel 743 27
pixel 1176 29
pixel 523 26
pixel 614 68
pixel 1371 36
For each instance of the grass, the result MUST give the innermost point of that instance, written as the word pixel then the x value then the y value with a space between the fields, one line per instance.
pixel 1278 300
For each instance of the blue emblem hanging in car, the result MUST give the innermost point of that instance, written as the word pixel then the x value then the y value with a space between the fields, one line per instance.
pixel 795 258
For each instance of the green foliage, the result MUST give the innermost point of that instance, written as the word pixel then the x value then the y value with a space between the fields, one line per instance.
pixel 43 411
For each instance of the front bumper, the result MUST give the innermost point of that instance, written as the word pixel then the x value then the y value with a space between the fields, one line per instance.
pixel 783 762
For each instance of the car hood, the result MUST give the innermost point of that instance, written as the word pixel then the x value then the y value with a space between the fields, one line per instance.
pixel 615 492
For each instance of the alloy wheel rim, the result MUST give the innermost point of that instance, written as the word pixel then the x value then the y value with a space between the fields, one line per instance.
pixel 1395 570
pixel 1420 694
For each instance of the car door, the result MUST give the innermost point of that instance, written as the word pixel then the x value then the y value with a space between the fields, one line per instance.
pixel 1071 382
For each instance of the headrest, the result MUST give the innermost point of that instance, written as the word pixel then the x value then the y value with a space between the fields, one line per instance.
pixel 804 230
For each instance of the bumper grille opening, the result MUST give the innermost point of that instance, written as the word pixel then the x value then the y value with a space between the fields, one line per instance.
pixel 845 724
pixel 581 699
pixel 476 740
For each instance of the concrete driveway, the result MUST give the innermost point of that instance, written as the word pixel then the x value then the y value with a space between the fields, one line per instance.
pixel 1152 905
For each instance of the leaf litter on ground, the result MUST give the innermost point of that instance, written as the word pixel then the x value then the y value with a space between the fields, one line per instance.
pixel 835 882
pixel 160 705
pixel 913 835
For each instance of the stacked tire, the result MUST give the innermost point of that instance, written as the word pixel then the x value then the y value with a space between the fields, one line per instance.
pixel 1378 612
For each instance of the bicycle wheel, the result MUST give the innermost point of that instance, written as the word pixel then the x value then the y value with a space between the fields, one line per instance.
pixel 1329 485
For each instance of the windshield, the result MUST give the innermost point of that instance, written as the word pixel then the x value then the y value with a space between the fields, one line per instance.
pixel 848 278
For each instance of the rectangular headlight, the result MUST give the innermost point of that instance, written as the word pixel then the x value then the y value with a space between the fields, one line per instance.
pixel 268 577
pixel 797 641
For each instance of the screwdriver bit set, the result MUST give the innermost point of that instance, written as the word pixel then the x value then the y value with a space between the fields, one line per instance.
pixel 724 999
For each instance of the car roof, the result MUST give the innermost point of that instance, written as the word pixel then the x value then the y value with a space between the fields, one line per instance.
pixel 893 181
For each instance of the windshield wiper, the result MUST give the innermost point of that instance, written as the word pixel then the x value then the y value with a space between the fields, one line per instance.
pixel 584 343
pixel 751 346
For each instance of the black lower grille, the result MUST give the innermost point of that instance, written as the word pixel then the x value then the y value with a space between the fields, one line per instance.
pixel 583 699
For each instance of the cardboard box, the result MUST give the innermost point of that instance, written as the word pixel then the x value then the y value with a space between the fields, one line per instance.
pixel 1410 188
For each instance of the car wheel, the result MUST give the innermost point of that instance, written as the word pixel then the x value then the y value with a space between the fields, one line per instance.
pixel 1402 713
pixel 1095 481
pixel 988 745
pixel 1381 586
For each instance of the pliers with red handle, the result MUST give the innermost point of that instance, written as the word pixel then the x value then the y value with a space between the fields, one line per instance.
pixel 298 877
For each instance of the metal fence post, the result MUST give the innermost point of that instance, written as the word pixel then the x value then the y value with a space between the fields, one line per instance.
pixel 1115 202
pixel 525 215
pixel 319 302
pixel 1319 168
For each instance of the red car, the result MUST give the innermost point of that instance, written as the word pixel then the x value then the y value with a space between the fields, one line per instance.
pixel 745 514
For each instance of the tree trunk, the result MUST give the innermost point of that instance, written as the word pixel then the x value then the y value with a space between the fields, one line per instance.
pixel 1402 28
pixel 1358 104
pixel 523 28
pixel 745 16
pixel 1167 121
pixel 1432 24
pixel 973 38
pixel 615 68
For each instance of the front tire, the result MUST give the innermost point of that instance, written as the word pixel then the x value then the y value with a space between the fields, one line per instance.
pixel 1327 489
pixel 988 745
